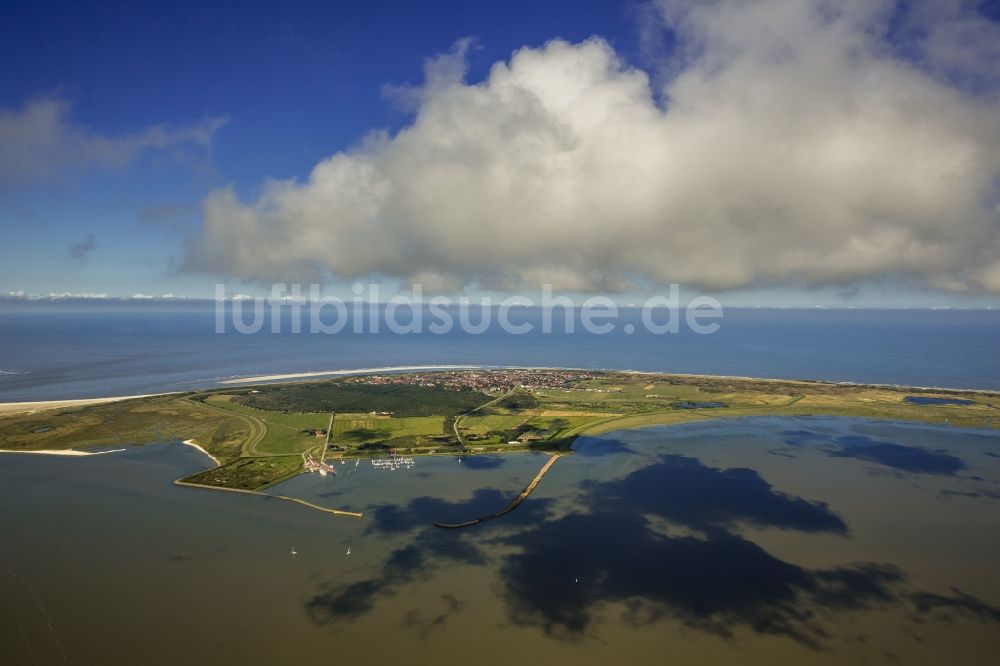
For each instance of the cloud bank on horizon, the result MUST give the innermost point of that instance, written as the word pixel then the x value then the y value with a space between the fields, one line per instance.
pixel 793 142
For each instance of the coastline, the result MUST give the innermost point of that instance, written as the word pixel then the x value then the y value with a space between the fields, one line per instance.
pixel 7 408
pixel 192 444
pixel 64 452
pixel 185 414
pixel 39 405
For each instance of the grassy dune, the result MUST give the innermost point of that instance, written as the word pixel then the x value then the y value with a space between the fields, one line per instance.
pixel 138 421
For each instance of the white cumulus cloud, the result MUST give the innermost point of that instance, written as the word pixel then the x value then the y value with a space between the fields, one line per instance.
pixel 791 144
pixel 41 141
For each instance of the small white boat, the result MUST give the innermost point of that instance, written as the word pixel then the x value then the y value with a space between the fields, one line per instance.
pixel 294 552
pixel 348 550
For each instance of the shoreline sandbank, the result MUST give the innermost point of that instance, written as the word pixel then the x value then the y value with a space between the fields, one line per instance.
pixel 192 444
pixel 39 405
pixel 64 452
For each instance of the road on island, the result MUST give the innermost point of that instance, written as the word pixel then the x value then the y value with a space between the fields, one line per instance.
pixel 455 423
pixel 256 430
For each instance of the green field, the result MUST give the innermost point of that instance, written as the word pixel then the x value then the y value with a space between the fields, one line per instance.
pixel 285 432
pixel 357 429
pixel 249 473
pixel 480 425
pixel 263 434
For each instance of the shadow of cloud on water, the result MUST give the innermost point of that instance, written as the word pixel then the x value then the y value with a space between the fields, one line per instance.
pixel 683 490
pixel 945 608
pixel 430 549
pixel 416 617
pixel 338 602
pixel 421 512
pixel 568 570
pixel 593 447
pixel 988 496
pixel 562 572
pixel 897 456
pixel 481 462
pixel 803 437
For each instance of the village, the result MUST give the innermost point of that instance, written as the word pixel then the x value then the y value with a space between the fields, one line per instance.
pixel 488 381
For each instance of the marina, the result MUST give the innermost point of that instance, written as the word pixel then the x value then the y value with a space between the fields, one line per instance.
pixel 393 462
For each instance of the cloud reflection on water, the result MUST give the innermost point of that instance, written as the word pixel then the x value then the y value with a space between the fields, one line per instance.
pixel 429 548
pixel 899 457
pixel 666 540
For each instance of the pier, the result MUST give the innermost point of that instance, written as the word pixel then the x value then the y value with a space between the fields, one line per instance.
pixel 523 495
pixel 336 512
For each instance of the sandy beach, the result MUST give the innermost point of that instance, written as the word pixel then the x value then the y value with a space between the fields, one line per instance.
pixel 192 444
pixel 65 452
pixel 20 407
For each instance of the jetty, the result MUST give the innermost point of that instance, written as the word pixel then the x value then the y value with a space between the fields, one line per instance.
pixel 335 512
pixel 523 495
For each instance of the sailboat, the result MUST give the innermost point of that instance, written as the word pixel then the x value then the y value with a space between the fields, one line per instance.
pixel 348 550
pixel 293 551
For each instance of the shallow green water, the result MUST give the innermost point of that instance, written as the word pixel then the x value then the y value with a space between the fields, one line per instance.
pixel 809 540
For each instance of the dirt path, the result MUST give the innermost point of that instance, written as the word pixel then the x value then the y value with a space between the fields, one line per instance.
pixel 473 411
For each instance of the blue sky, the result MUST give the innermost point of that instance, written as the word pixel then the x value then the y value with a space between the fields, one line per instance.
pixel 298 81
pixel 255 91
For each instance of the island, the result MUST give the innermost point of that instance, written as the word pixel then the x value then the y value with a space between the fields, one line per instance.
pixel 259 435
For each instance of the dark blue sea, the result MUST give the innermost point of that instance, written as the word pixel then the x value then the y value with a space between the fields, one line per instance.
pixel 55 351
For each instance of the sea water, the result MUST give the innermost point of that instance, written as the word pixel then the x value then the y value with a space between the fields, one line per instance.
pixel 49 351
pixel 752 541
